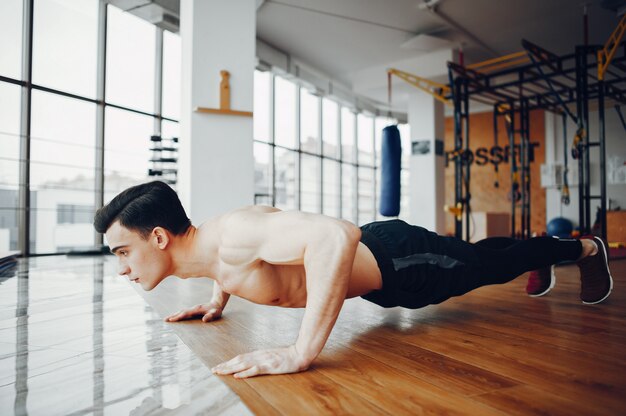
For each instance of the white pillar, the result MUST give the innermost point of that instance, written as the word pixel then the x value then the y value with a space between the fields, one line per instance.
pixel 427 193
pixel 216 162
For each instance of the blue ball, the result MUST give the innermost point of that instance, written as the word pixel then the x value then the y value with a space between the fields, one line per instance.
pixel 560 227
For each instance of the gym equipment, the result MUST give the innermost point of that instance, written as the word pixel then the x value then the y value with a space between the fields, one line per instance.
pixel 565 188
pixel 391 161
pixel 560 227
pixel 164 160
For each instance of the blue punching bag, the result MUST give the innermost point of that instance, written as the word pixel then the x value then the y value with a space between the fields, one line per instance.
pixel 390 175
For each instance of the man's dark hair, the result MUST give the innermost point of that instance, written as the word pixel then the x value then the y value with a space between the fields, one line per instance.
pixel 141 208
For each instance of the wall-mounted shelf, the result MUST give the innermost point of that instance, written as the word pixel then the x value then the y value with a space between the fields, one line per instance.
pixel 224 100
pixel 227 112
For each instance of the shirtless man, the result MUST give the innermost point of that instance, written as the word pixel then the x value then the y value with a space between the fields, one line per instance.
pixel 302 260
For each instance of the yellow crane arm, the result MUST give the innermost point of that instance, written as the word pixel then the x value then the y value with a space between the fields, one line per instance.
pixel 605 55
pixel 437 90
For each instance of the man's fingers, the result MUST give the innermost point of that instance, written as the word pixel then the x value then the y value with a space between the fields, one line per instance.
pixel 252 371
pixel 210 315
pixel 232 366
pixel 197 310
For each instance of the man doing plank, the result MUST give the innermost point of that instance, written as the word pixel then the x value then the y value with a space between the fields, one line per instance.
pixel 303 260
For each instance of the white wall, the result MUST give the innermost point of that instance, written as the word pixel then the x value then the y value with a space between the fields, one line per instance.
pixel 615 146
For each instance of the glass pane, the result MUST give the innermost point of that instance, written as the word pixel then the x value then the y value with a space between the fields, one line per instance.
pixel 404 194
pixel 11 33
pixel 348 192
pixel 262 174
pixel 171 75
pixel 262 102
pixel 130 60
pixel 65 45
pixel 9 164
pixel 285 113
pixel 366 195
pixel 310 192
pixel 170 129
pixel 405 139
pixel 126 150
pixel 330 127
pixel 366 140
pixel 347 135
pixel 285 161
pixel 331 188
pixel 62 172
pixel 309 122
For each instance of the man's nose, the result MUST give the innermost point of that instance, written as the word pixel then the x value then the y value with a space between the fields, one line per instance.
pixel 123 269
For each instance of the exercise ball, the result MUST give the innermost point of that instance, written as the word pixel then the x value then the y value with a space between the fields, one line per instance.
pixel 560 227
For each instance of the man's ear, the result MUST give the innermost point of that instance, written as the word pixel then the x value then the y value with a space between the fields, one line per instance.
pixel 161 237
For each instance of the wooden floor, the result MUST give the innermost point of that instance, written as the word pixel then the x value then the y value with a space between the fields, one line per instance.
pixel 77 339
pixel 493 351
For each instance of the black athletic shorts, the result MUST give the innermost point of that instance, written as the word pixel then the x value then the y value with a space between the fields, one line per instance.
pixel 418 267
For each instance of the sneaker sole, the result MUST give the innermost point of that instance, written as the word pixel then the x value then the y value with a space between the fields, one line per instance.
pixel 552 283
pixel 606 261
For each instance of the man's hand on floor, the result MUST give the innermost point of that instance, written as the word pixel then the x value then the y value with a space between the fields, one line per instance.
pixel 273 361
pixel 207 311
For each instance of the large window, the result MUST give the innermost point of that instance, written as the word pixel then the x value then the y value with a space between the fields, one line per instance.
pixel 65 45
pixel 309 122
pixel 330 128
pixel 348 192
pixel 126 150
pixel 11 28
pixel 285 182
pixel 9 164
pixel 285 94
pixel 62 170
pixel 130 61
pixel 324 154
pixel 171 75
pixel 347 135
pixel 310 183
pixel 331 188
pixel 311 153
pixel 262 174
pixel 262 106
pixel 365 140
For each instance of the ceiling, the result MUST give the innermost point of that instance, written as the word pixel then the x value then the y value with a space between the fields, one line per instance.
pixel 353 42
pixel 346 39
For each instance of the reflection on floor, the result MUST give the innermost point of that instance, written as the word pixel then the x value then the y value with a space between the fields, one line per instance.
pixel 77 339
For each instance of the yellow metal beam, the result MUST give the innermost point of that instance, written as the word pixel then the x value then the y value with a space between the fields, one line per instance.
pixel 605 55
pixel 489 62
pixel 426 85
pixel 502 62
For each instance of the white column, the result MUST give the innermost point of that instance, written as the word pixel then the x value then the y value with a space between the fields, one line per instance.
pixel 216 163
pixel 426 118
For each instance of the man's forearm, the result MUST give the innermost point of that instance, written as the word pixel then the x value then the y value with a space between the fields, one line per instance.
pixel 328 266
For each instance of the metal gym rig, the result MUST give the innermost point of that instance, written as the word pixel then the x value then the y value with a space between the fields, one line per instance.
pixel 529 80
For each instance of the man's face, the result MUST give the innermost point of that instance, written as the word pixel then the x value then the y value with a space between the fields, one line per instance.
pixel 143 261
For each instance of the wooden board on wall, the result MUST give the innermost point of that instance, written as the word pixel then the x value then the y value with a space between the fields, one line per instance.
pixel 485 196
